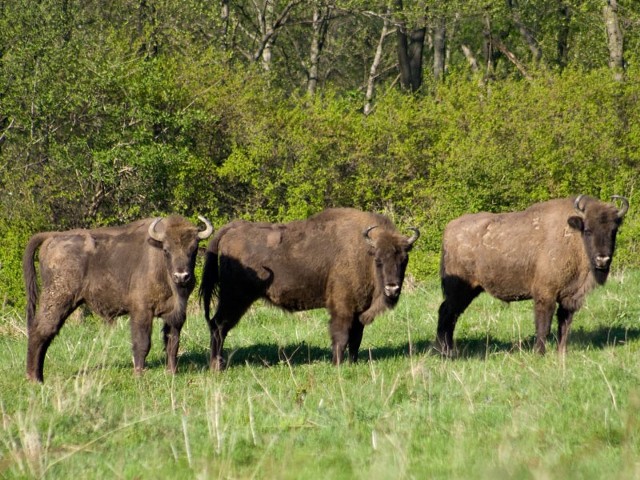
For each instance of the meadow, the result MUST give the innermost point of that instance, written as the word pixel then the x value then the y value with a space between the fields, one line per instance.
pixel 281 410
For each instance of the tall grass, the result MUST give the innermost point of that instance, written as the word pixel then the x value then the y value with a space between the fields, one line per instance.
pixel 282 411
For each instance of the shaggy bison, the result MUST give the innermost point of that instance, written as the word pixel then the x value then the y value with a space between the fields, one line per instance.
pixel 552 252
pixel 144 269
pixel 350 262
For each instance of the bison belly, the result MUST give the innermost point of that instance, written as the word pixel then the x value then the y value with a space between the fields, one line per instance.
pixel 296 290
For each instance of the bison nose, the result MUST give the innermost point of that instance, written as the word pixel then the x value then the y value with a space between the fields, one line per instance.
pixel 603 261
pixel 181 277
pixel 392 290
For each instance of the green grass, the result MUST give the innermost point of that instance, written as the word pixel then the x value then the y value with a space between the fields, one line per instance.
pixel 282 411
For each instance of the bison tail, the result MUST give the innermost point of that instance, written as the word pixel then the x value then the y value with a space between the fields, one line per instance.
pixel 210 275
pixel 30 278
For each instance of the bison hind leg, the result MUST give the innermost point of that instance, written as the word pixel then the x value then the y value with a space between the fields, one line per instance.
pixel 228 314
pixel 49 319
pixel 458 295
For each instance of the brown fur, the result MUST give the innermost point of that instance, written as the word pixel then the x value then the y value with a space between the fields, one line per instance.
pixel 541 253
pixel 114 271
pixel 324 261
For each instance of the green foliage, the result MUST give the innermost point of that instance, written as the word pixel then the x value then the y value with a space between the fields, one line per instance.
pixel 112 114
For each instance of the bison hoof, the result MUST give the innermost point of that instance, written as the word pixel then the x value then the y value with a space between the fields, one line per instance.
pixel 218 364
pixel 442 351
pixel 32 377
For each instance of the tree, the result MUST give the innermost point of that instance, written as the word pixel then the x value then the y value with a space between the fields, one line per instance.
pixel 614 38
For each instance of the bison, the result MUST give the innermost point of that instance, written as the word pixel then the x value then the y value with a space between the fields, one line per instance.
pixel 552 252
pixel 144 269
pixel 351 262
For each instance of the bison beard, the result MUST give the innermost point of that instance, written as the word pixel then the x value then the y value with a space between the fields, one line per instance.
pixel 144 269
pixel 553 252
pixel 350 262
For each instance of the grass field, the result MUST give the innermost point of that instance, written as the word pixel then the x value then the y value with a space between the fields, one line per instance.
pixel 282 411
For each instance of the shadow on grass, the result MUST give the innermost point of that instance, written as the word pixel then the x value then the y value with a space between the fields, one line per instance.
pixel 579 339
pixel 269 354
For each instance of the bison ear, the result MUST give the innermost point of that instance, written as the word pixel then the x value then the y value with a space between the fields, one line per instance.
pixel 576 223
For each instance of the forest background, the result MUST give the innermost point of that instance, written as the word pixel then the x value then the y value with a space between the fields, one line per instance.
pixel 275 109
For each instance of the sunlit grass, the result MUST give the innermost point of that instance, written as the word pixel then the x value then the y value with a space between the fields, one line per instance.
pixel 282 411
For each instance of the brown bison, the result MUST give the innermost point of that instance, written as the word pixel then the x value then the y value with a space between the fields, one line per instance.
pixel 144 269
pixel 552 252
pixel 350 262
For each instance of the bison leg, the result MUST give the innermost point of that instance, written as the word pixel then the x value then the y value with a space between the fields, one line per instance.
pixel 457 297
pixel 141 326
pixel 355 338
pixel 171 335
pixel 225 319
pixel 339 339
pixel 543 310
pixel 48 322
pixel 565 317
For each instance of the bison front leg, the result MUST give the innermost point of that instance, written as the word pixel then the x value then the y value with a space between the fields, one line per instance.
pixel 565 317
pixel 171 335
pixel 339 329
pixel 543 310
pixel 355 338
pixel 141 325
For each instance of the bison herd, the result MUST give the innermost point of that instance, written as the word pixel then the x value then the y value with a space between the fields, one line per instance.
pixel 350 262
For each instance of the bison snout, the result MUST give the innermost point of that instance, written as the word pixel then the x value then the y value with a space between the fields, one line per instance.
pixel 181 277
pixel 603 261
pixel 392 290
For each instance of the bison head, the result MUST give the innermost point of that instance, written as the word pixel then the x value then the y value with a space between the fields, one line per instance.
pixel 179 242
pixel 391 255
pixel 598 223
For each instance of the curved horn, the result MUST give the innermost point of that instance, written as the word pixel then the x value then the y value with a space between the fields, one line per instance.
pixel 365 234
pixel 625 204
pixel 414 237
pixel 158 237
pixel 206 233
pixel 577 207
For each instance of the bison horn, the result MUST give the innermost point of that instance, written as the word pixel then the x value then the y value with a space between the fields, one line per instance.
pixel 365 234
pixel 414 237
pixel 625 204
pixel 578 208
pixel 157 236
pixel 206 233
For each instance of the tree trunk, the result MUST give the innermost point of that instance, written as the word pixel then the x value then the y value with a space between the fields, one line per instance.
pixel 563 34
pixel 468 54
pixel 270 24
pixel 529 38
pixel 614 37
pixel 439 48
pixel 146 20
pixel 224 16
pixel 320 26
pixel 409 47
pixel 373 72
pixel 487 45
